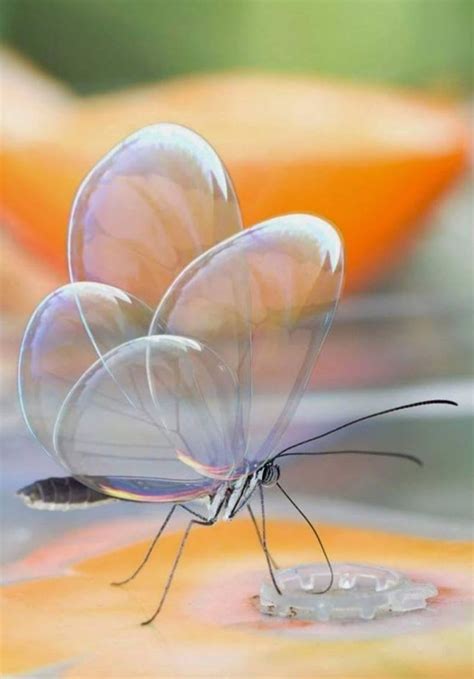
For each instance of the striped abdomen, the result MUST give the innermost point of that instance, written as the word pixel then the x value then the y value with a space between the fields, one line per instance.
pixel 61 493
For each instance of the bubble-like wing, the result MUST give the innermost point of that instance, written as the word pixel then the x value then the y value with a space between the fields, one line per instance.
pixel 129 448
pixel 69 330
pixel 154 203
pixel 210 302
pixel 264 300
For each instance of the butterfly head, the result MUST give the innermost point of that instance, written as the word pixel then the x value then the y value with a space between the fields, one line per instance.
pixel 270 474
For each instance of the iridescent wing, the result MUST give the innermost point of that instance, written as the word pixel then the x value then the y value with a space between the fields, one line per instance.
pixel 130 449
pixel 154 203
pixel 69 331
pixel 264 301
pixel 210 302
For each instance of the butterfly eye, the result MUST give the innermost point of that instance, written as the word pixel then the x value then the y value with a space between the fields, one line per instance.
pixel 270 474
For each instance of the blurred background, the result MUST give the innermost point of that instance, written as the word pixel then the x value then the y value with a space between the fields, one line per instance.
pixel 354 110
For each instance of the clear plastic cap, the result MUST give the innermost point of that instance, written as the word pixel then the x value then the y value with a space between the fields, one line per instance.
pixel 359 591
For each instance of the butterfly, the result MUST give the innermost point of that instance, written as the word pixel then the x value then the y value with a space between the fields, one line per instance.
pixel 170 367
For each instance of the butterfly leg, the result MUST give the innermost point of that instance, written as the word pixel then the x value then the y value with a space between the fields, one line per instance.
pixel 257 530
pixel 175 565
pixel 264 541
pixel 150 549
pixel 191 511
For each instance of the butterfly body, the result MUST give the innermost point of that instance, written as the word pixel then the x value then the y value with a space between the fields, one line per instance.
pixel 231 498
pixel 61 494
pixel 64 493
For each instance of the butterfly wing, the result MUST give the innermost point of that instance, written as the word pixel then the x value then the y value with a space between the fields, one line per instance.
pixel 264 301
pixel 69 331
pixel 210 302
pixel 154 203
pixel 169 418
pixel 112 437
pixel 150 206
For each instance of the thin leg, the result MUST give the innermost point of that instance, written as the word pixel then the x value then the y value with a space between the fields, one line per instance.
pixel 175 565
pixel 257 529
pixel 264 541
pixel 150 550
pixel 331 572
pixel 191 511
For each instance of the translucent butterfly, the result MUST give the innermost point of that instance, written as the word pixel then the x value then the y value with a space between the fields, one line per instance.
pixel 171 365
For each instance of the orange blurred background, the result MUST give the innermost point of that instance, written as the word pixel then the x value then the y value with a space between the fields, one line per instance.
pixel 370 160
pixel 356 111
pixel 369 143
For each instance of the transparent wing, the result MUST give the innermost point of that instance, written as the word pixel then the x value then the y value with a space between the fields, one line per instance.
pixel 69 330
pixel 154 203
pixel 129 448
pixel 264 300
pixel 210 302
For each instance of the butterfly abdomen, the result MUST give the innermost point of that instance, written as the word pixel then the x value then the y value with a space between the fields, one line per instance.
pixel 61 493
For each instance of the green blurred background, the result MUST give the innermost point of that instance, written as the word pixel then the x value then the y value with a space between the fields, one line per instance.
pixel 102 44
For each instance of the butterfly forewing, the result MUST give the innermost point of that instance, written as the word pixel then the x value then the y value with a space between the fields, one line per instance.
pixel 148 208
pixel 210 302
pixel 296 269
pixel 264 301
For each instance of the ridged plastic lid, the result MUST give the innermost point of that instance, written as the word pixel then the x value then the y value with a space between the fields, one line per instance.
pixel 359 591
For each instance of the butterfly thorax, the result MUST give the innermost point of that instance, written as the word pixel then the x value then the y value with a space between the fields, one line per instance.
pixel 231 498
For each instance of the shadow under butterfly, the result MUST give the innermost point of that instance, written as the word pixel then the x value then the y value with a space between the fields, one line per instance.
pixel 171 365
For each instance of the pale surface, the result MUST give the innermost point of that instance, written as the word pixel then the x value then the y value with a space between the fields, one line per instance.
pixel 211 625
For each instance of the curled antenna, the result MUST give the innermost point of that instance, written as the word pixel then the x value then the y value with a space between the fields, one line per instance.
pixel 365 417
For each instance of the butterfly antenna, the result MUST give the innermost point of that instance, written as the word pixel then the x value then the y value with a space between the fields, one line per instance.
pixel 366 417
pixel 264 541
pixel 175 566
pixel 150 550
pixel 257 530
pixel 375 453
pixel 331 572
